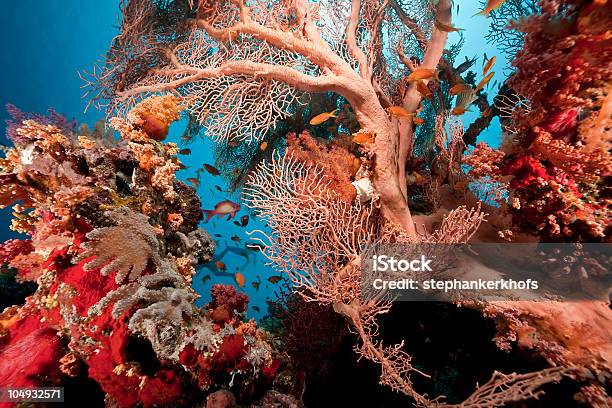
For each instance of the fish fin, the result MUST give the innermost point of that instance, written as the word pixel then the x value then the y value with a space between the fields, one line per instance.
pixel 209 214
pixel 481 13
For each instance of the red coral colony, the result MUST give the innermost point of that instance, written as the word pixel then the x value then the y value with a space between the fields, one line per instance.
pixel 339 124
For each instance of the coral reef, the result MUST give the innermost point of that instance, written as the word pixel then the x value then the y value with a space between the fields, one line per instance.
pixel 113 268
pixel 557 165
pixel 113 239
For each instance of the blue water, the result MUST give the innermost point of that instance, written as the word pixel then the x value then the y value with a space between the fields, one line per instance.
pixel 48 42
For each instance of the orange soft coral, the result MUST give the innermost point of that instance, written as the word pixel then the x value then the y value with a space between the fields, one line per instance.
pixel 337 162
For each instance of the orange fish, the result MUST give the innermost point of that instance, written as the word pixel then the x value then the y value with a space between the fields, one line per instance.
pixel 423 73
pixel 263 146
pixel 212 170
pixel 399 112
pixel 418 121
pixel 185 151
pixel 484 81
pixel 459 88
pixel 222 209
pixel 322 117
pixel 489 65
pixel 423 90
pixel 220 265
pixel 233 143
pixel 458 111
pixel 447 28
pixel 240 279
pixel 194 181
pixel 490 6
pixel 485 113
pixel 363 138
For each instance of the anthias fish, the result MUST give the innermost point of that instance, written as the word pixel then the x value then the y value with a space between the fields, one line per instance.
pixel 322 117
pixel 194 181
pixel 459 88
pixel 490 6
pixel 489 64
pixel 222 209
pixel 423 90
pixel 399 111
pixel 240 279
pixel 418 121
pixel 422 73
pixel 363 138
pixel 457 110
pixel 263 146
pixel 484 81
pixel 211 169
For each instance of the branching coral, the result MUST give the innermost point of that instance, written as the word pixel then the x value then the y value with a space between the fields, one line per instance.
pixel 316 240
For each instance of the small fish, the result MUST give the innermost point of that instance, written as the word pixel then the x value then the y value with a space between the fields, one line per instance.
pixel 223 208
pixel 233 143
pixel 235 238
pixel 422 73
pixel 447 28
pixel 206 278
pixel 263 146
pixel 399 112
pixel 194 181
pixel 423 89
pixel 256 283
pixel 255 308
pixel 465 65
pixel 490 6
pixel 211 169
pixel 220 265
pixel 418 121
pixel 486 113
pixel 244 220
pixel 458 111
pixel 218 235
pixel 236 223
pixel 185 151
pixel 240 279
pixel 274 279
pixel 218 188
pixel 484 81
pixel 459 88
pixel 362 138
pixel 488 65
pixel 322 117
